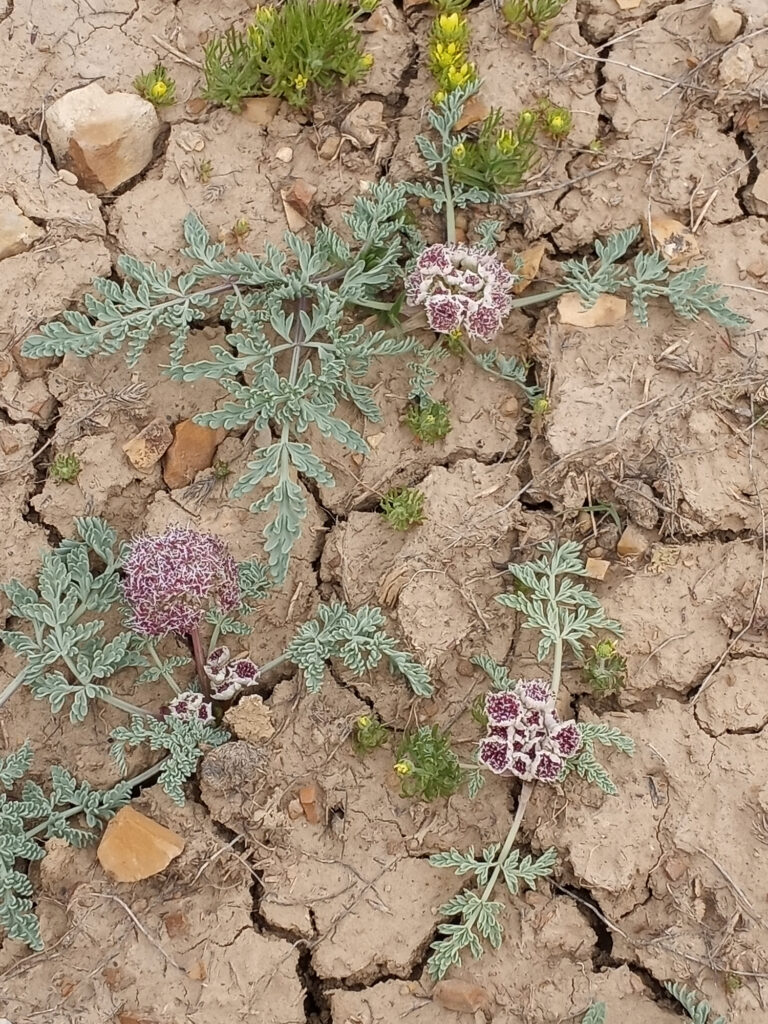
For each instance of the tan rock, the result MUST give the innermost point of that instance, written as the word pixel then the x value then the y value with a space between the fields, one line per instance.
pixel 17 232
pixel 260 109
pixel 192 449
pixel 676 242
pixel 724 23
pixel 365 123
pixel 608 311
pixel 597 568
pixel 461 996
pixel 134 846
pixel 736 66
pixel 149 445
pixel 329 147
pixel 103 138
pixel 250 719
pixel 284 154
pixel 633 542
pixel 300 196
pixel 67 177
pixel 759 196
pixel 310 800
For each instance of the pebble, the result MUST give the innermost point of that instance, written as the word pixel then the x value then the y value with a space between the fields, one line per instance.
pixel 285 154
pixel 149 445
pixel 103 138
pixel 192 449
pixel 724 23
pixel 632 543
pixel 329 147
pixel 365 123
pixel 134 846
pixel 260 109
pixel 17 232
pixel 736 66
pixel 67 177
pixel 760 193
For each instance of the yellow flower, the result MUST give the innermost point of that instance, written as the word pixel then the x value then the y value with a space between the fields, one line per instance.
pixel 438 98
pixel 459 152
pixel 445 55
pixel 300 83
pixel 364 721
pixel 158 90
pixel 527 117
pixel 366 61
pixel 506 142
pixel 403 767
pixel 451 26
pixel 456 76
pixel 264 13
pixel 605 649
pixel 541 406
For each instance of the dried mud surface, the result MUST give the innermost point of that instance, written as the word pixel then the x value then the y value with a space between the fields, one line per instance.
pixel 266 918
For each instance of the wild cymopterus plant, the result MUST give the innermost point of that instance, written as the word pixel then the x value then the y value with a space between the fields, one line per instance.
pixel 527 740
pixel 182 584
pixel 297 360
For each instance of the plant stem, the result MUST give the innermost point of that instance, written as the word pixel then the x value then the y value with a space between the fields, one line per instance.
pixel 137 780
pixel 450 213
pixel 533 300
pixel 197 653
pixel 165 673
pixel 12 687
pixel 124 705
pixel 528 787
pixel 214 638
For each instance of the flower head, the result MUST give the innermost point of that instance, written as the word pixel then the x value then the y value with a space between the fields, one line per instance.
pixel 190 707
pixel 300 83
pixel 461 287
pixel 366 61
pixel 158 90
pixel 228 677
pixel 404 767
pixel 173 579
pixel 525 737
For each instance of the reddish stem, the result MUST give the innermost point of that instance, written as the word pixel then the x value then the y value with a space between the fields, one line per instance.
pixel 197 652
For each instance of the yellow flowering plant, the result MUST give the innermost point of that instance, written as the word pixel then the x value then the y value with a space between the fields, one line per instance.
pixel 288 51
pixel 157 86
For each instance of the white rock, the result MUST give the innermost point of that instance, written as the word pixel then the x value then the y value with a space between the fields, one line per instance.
pixel 17 232
pixel 724 23
pixel 736 66
pixel 285 154
pixel 68 177
pixel 103 138
pixel 365 124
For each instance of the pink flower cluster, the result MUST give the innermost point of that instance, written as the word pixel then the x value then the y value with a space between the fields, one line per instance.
pixel 461 287
pixel 525 736
pixel 172 580
pixel 228 677
pixel 190 707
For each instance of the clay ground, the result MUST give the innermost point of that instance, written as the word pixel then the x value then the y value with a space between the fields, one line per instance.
pixel 265 917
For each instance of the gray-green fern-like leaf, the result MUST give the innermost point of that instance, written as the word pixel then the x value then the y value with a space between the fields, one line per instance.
pixel 585 762
pixel 698 1010
pixel 358 641
pixel 595 1014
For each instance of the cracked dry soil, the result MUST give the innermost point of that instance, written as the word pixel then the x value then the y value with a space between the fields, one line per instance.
pixel 265 918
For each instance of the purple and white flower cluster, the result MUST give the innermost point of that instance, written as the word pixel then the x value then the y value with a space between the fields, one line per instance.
pixel 190 707
pixel 173 579
pixel 461 287
pixel 227 677
pixel 525 737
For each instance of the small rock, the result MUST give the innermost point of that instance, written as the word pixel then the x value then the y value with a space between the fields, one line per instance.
pixel 198 971
pixel 300 196
pixel 309 798
pixel 250 719
pixel 462 996
pixel 676 242
pixel 736 66
pixel 759 196
pixel 640 503
pixel 196 105
pixel 260 109
pixel 192 449
pixel 474 110
pixel 530 261
pixel 757 269
pixel 176 924
pixel 597 568
pixel 67 177
pixel 295 810
pixel 149 445
pixel 134 846
pixel 511 407
pixel 284 154
pixel 608 311
pixel 17 232
pixel 104 138
pixel 365 123
pixel 632 543
pixel 724 23
pixel 329 147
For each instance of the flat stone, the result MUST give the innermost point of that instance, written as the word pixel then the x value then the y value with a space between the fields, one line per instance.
pixel 17 232
pixel 736 66
pixel 149 445
pixel 103 138
pixel 192 450
pixel 260 109
pixel 365 123
pixel 724 23
pixel 134 846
